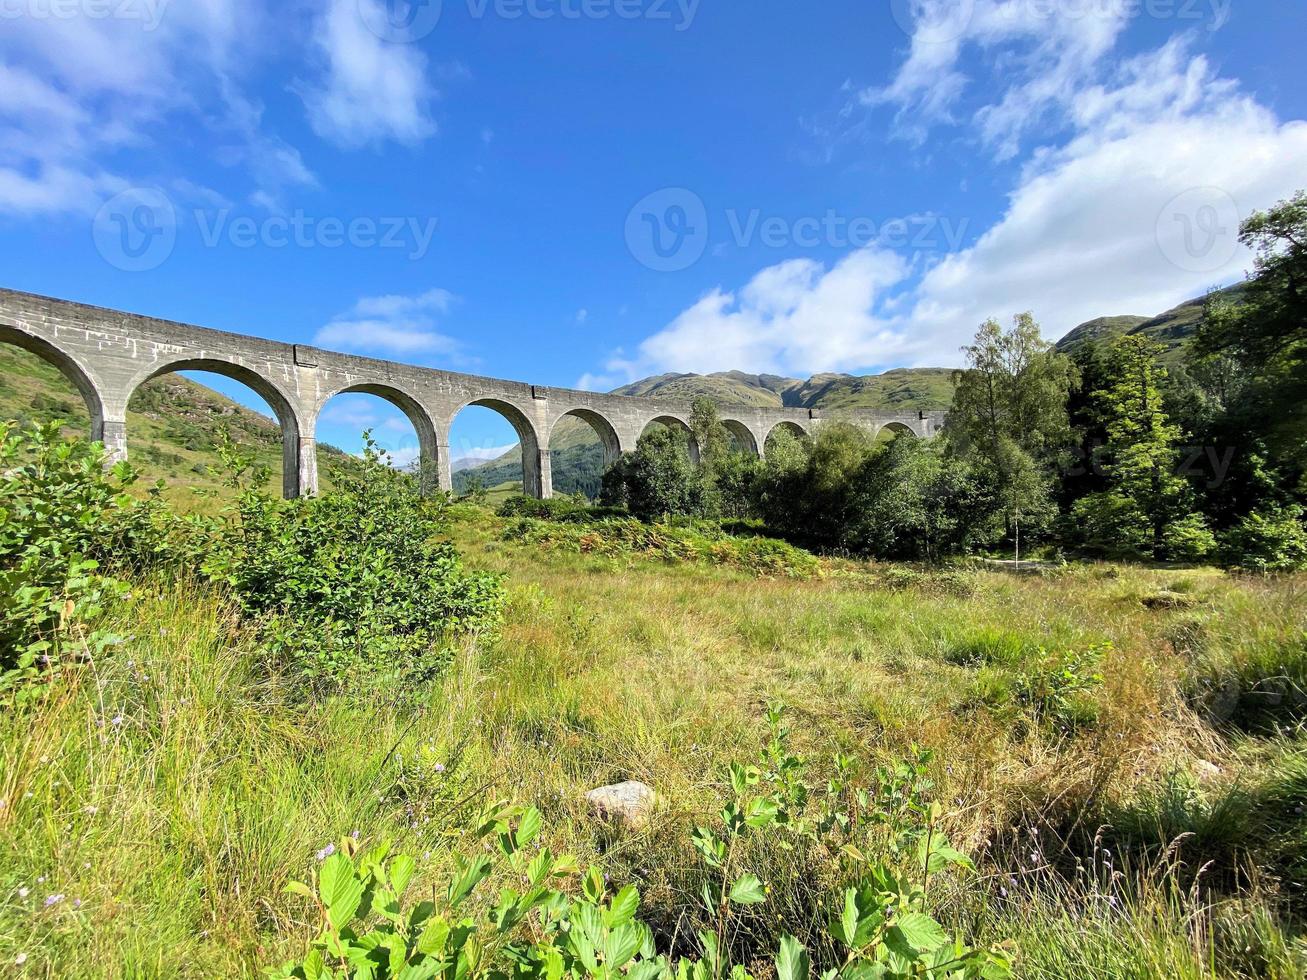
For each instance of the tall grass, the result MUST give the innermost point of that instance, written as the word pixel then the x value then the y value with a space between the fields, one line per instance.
pixel 170 790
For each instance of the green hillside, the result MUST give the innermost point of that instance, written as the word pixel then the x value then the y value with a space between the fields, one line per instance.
pixel 1172 329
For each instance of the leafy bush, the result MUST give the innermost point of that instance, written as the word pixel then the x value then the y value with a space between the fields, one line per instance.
pixel 354 582
pixel 1272 539
pixel 657 479
pixel 67 530
pixel 625 537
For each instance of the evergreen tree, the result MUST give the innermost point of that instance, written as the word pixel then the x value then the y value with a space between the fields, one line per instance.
pixel 1147 511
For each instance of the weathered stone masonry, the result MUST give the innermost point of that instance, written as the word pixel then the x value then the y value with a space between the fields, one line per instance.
pixel 107 355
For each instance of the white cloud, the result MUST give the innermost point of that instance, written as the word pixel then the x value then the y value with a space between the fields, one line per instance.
pixel 76 90
pixel 404 325
pixel 1138 210
pixel 373 90
pixel 1043 50
pixel 582 315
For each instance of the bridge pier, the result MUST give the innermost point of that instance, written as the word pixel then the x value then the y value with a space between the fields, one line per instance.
pixel 444 475
pixel 545 469
pixel 113 433
pixel 299 466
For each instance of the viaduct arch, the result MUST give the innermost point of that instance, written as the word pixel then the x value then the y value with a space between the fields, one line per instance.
pixel 107 355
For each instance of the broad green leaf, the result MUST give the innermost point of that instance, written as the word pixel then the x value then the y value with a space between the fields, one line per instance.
pixel 624 906
pixel 339 889
pixel 792 962
pixel 469 876
pixel 748 890
pixel 622 943
pixel 401 872
pixel 762 812
pixel 914 934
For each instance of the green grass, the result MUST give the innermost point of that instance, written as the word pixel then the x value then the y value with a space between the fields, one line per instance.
pixel 177 828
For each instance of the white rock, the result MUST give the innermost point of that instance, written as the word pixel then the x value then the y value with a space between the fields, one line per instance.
pixel 627 804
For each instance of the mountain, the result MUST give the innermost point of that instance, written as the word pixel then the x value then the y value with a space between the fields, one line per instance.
pixel 1171 329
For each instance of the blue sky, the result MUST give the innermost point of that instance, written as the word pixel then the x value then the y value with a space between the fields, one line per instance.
pixel 582 192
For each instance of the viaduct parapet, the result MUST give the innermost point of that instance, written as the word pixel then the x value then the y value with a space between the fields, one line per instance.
pixel 107 355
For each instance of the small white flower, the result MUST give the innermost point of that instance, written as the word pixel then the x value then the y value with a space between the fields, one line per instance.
pixel 20 959
pixel 23 892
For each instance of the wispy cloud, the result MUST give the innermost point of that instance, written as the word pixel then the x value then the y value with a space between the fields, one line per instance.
pixel 405 325
pixel 369 90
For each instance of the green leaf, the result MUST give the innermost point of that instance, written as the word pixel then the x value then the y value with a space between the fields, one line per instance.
pixel 592 885
pixel 469 876
pixel 916 932
pixel 528 827
pixel 401 872
pixel 748 890
pixel 792 961
pixel 624 906
pixel 339 889
pixel 762 812
pixel 622 943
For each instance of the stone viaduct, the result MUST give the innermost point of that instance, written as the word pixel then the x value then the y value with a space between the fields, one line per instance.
pixel 107 355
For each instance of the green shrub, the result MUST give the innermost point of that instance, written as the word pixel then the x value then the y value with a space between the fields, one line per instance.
pixel 353 583
pixel 1272 539
pixel 68 529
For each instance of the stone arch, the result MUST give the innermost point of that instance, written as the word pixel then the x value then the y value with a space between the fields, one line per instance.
pixel 892 430
pixel 76 374
pixel 429 449
pixel 603 428
pixel 788 425
pixel 298 475
pixel 743 436
pixel 535 468
pixel 676 424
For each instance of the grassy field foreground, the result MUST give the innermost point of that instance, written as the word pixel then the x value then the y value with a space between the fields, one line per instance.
pixel 1119 748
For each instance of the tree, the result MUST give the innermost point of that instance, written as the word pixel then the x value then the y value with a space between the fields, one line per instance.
pixel 1147 511
pixel 711 436
pixel 1009 416
pixel 1266 333
pixel 917 501
pixel 657 479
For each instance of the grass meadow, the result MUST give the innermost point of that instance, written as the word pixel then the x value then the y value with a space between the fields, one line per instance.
pixel 1120 749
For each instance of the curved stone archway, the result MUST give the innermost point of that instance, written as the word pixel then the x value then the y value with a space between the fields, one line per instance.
pixel 429 450
pixel 298 476
pixel 743 436
pixel 77 375
pixel 892 430
pixel 602 427
pixel 677 424
pixel 536 477
pixel 793 428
